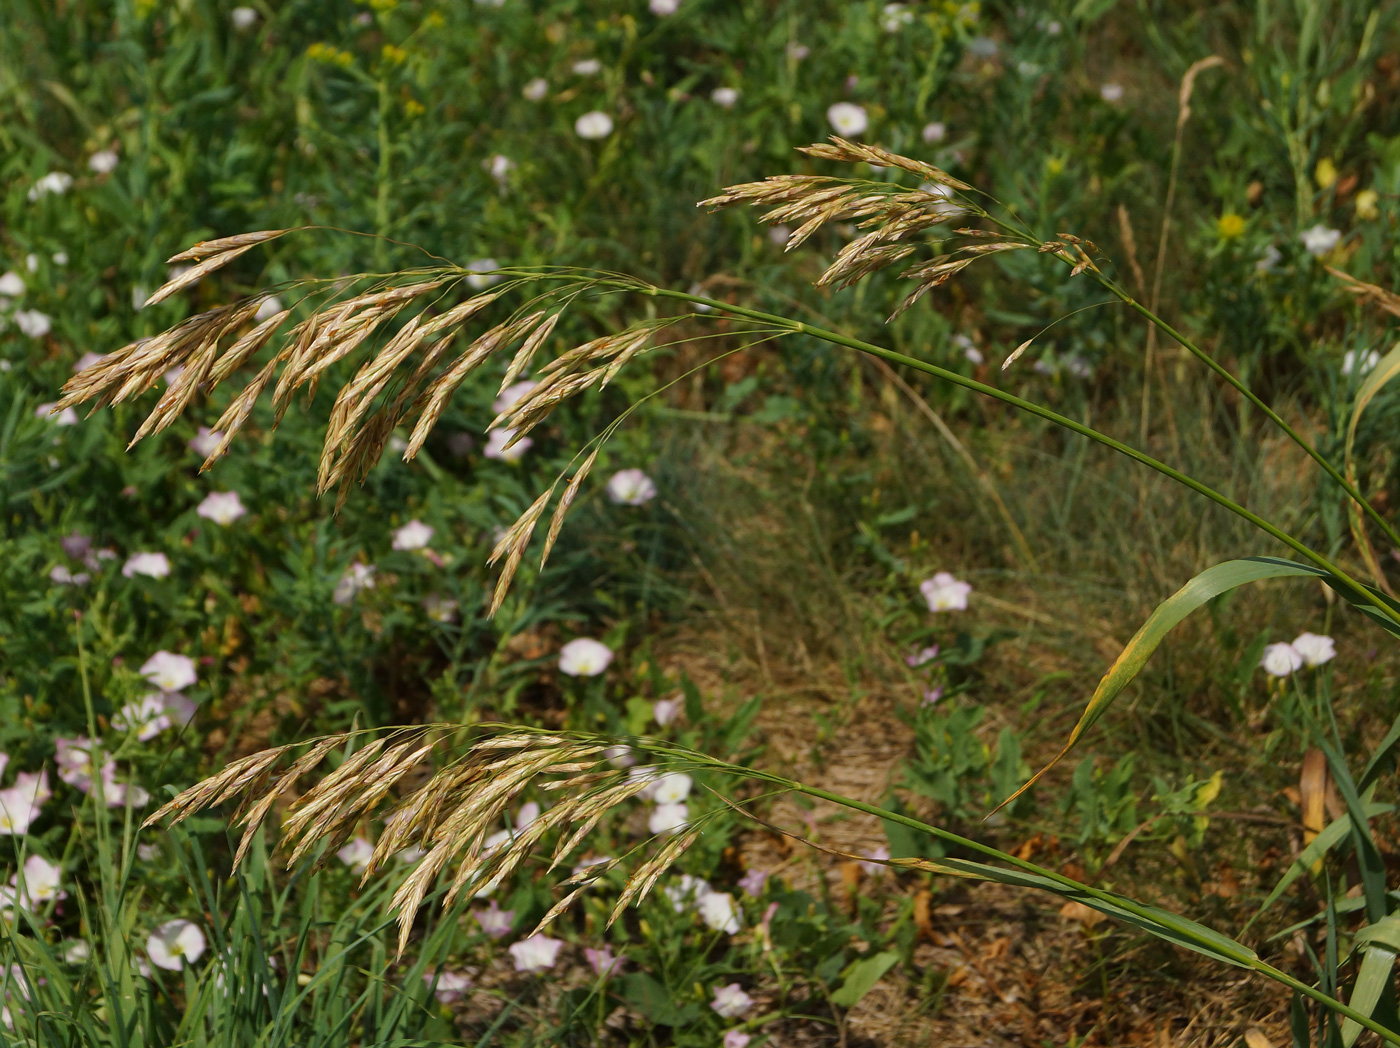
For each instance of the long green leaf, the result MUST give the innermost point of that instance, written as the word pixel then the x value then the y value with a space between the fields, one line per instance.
pixel 1382 373
pixel 1376 964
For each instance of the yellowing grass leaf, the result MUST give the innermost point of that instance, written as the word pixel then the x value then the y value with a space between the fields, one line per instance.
pixel 1382 373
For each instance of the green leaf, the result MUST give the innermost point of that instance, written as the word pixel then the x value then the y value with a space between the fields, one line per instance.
pixel 1206 586
pixel 861 978
pixel 1374 973
pixel 650 998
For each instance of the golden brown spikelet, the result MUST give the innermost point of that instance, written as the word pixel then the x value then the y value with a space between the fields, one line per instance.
pixel 205 248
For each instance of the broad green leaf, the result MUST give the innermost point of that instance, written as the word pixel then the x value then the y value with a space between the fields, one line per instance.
pixel 1207 585
pixel 1382 940
pixel 861 978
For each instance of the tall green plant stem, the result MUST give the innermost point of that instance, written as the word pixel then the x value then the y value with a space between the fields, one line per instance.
pixel 1357 590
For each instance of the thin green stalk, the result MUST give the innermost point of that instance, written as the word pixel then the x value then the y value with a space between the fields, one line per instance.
pixel 836 338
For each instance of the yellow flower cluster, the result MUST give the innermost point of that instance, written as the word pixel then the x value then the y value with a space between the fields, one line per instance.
pixel 1229 226
pixel 394 55
pixel 319 52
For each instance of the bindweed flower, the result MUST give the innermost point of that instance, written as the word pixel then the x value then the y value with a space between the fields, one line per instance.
pixel 686 892
pixel 934 132
pixel 243 18
pixel 168 671
pixel 86 361
pixel 797 52
pixel 1111 93
pixel 66 417
pixel 619 756
pixel 119 794
pixel 1320 240
pixel 356 853
pixel 922 656
pixel 718 912
pixel 874 867
pixel 1368 362
pixel 499 166
pixel 588 67
pixel 664 711
pixel 33 323
pixel 671 788
pixel 60 575
pixel 55 182
pixel 535 90
pixel 593 125
pixel 512 395
pixel 357 577
pixel 945 593
pixel 41 883
pixel 481 275
pixel 439 608
pixel 667 818
pixel 602 961
pixel 495 921
pixel 11 284
pixel 148 717
pixel 1268 259
pixel 205 441
pixel 848 119
pixel 221 507
pixel 413 535
pixel 736 1039
pixel 175 944
pixel 268 308
pixel 76 545
pixel 496 446
pixel 724 97
pixel 103 162
pixel 731 1001
pixel 932 696
pixel 1314 648
pixel 178 708
pixel 584 657
pixel 630 487
pixel 155 565
pixel 451 986
pixel 753 882
pixel 1281 659
pixel 19 807
pixel 528 813
pixel 535 954
pixel 894 17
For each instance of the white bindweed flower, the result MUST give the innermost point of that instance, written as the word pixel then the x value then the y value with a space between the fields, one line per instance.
pixel 496 443
pixel 33 323
pixel 662 8
pixel 535 90
pixel 175 944
pixel 156 565
pixel 945 593
pixel 535 954
pixel 631 487
pixel 718 912
pixel 357 577
pixel 147 716
pixel 168 671
pixel 413 535
pixel 499 166
pixel 736 1039
pixel 1320 239
pixel 731 1001
pixel 451 986
pixel 205 441
pixel 894 17
pixel 66 417
pixel 724 96
pixel 11 284
pixel 584 657
pixel 593 125
pixel 243 18
pixel 969 348
pixel 41 882
pixel 935 132
pixel 55 182
pixel 103 162
pixel 587 67
pixel 60 258
pixel 18 810
pixel 221 507
pixel 848 119
pixel 1315 648
pixel 480 273
pixel 664 711
pixel 512 395
pixel 528 813
pixel 667 818
pixel 356 853
pixel 440 609
pixel 1281 659
pixel 671 788
pixel 1368 362
pixel 1268 259
pixel 1111 93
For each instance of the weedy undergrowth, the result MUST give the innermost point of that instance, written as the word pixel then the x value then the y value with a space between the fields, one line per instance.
pixel 413 371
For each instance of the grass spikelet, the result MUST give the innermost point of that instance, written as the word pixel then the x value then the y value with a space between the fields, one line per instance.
pixel 198 272
pixel 556 522
pixel 512 547
pixel 206 248
pixel 640 884
pixel 526 353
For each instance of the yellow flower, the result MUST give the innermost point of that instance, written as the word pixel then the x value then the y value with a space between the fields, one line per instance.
pixel 394 55
pixel 1325 173
pixel 413 108
pixel 383 5
pixel 1366 202
pixel 1229 226
pixel 434 20
pixel 1054 165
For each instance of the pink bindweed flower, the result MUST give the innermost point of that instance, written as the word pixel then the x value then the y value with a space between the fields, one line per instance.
pixel 538 953
pixel 155 565
pixel 19 807
pixel 357 577
pixel 664 711
pixel 719 913
pixel 451 986
pixel 147 717
pixel 66 417
pixel 495 921
pixel 630 487
pixel 496 442
pixel 221 507
pixel 168 671
pixel 922 656
pixel 875 868
pixel 413 535
pixel 61 575
pixel 205 442
pixel 753 882
pixel 602 961
pixel 512 395
pixel 932 696
pixel 356 854
pixel 848 119
pixel 945 593
pixel 41 883
pixel 731 1001
pixel 736 1039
